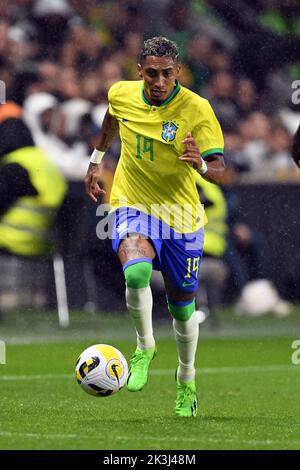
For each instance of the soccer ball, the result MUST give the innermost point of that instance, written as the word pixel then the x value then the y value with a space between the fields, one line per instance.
pixel 101 370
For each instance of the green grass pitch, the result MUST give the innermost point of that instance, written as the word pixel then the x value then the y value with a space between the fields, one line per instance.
pixel 248 389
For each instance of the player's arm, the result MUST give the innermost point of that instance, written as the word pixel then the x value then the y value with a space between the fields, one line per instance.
pixel 108 132
pixel 296 148
pixel 212 169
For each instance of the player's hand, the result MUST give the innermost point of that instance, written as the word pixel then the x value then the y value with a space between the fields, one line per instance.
pixel 192 153
pixel 92 187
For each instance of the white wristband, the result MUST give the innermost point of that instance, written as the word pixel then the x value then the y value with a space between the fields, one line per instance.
pixel 96 156
pixel 203 168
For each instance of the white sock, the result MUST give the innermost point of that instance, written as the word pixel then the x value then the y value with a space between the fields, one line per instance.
pixel 139 303
pixel 186 336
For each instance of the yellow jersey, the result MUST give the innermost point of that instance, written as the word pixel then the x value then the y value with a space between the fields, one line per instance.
pixel 149 174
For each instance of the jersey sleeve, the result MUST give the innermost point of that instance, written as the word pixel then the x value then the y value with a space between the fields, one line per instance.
pixel 112 93
pixel 207 133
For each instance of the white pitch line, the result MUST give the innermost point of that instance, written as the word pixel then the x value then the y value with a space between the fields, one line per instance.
pixel 204 370
pixel 44 436
pixel 234 370
pixel 36 377
pixel 210 439
pixel 252 442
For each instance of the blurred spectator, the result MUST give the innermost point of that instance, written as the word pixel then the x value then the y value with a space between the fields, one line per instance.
pixel 132 48
pixel 255 133
pixel 249 282
pixel 25 84
pixel 44 116
pixel 267 148
pixel 74 111
pixel 48 72
pixel 58 59
pixel 111 72
pixel 180 23
pixel 199 51
pixel 82 48
pixel 290 116
pixel 220 92
pixel 67 84
pixel 233 143
pixel 4 30
pixel 213 269
pixel 277 158
pixel 296 148
pixel 220 60
pixel 262 48
pixel 10 110
pixel 51 21
pixel 91 87
pixel 32 190
pixel 246 98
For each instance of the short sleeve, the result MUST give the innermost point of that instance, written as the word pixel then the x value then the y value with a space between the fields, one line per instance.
pixel 112 92
pixel 207 133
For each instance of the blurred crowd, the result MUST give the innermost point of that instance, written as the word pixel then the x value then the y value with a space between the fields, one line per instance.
pixel 58 59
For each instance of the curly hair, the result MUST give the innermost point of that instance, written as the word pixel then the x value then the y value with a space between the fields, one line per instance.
pixel 159 46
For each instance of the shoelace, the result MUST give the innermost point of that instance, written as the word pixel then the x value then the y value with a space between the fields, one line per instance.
pixel 184 392
pixel 137 357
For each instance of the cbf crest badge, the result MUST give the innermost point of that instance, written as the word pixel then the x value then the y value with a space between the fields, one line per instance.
pixel 169 129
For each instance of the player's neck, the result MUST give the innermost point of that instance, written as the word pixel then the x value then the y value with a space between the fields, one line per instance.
pixel 158 103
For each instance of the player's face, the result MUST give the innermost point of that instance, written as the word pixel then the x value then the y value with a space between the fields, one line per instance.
pixel 159 75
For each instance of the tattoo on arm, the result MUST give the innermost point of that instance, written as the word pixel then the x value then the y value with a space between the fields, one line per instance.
pixel 108 132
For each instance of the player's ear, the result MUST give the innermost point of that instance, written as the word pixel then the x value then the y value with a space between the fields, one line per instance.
pixel 139 69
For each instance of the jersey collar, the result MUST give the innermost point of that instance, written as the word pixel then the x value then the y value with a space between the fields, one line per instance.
pixel 175 91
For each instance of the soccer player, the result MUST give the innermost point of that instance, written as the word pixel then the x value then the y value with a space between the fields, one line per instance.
pixel 163 128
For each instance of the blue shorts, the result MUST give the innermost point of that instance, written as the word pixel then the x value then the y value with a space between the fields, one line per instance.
pixel 178 255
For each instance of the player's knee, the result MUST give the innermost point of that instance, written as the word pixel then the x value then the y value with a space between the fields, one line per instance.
pixel 138 275
pixel 182 311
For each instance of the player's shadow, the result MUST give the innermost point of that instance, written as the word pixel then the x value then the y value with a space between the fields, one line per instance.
pixel 165 420
pixel 258 420
pixel 175 419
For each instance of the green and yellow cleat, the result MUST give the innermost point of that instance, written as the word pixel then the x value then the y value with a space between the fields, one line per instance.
pixel 138 368
pixel 186 403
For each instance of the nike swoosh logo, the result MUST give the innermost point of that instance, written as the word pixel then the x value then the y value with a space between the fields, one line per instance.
pixel 114 369
pixel 187 284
